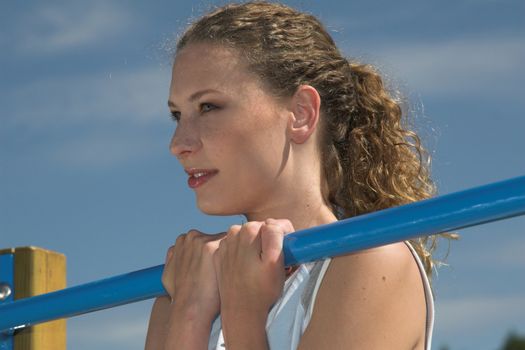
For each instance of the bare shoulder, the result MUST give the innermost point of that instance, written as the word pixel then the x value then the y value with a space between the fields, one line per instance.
pixel 372 299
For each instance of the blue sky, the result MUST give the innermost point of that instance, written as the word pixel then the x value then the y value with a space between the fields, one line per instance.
pixel 84 131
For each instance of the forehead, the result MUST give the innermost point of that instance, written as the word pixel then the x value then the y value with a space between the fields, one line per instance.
pixel 206 66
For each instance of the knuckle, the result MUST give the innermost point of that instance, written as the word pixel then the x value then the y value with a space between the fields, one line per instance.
pixel 195 236
pixel 222 244
pixel 218 236
pixel 287 224
pixel 169 253
pixel 252 227
pixel 283 224
pixel 192 234
pixel 233 229
pixel 180 238
pixel 210 247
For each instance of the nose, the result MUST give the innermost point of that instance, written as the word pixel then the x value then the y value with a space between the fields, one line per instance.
pixel 185 141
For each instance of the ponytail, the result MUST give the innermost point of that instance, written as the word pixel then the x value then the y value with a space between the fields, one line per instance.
pixel 375 160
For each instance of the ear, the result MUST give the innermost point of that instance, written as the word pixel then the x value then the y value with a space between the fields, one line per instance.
pixel 305 107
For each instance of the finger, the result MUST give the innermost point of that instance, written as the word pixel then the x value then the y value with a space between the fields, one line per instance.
pixel 248 242
pixel 179 244
pixel 212 243
pixel 271 242
pixel 216 236
pixel 169 254
pixel 194 234
pixel 168 271
pixel 250 233
pixel 233 231
pixel 230 241
pixel 285 224
pixel 216 261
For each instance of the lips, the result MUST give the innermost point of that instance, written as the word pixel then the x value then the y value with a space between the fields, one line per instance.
pixel 197 177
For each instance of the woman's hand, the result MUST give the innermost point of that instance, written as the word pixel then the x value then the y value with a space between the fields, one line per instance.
pixel 250 268
pixel 189 274
pixel 250 272
pixel 183 320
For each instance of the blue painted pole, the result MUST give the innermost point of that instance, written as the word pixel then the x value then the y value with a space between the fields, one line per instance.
pixel 440 214
pixel 7 277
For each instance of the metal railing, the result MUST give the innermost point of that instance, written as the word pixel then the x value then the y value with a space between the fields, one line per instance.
pixel 440 214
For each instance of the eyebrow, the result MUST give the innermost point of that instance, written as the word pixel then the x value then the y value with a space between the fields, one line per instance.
pixel 194 96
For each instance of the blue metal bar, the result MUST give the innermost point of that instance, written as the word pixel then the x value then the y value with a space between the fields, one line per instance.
pixel 7 272
pixel 440 214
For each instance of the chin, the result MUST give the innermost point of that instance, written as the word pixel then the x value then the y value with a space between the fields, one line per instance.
pixel 214 208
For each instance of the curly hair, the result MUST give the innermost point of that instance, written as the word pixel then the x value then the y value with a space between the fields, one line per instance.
pixel 370 159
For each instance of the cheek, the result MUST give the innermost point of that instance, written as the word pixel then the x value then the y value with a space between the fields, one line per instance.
pixel 217 141
pixel 260 159
pixel 251 140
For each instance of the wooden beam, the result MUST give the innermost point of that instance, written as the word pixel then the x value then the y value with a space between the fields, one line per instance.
pixel 39 271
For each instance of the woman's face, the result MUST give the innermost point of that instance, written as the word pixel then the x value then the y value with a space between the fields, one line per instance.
pixel 231 136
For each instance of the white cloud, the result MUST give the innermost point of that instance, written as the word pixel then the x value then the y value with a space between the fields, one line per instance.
pixel 121 332
pixel 479 313
pixel 497 246
pixel 349 21
pixel 104 149
pixel 55 28
pixel 470 66
pixel 93 120
pixel 478 322
pixel 512 252
pixel 117 332
pixel 505 252
pixel 129 96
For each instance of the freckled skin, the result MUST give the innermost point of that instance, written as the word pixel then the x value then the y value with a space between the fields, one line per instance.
pixel 244 137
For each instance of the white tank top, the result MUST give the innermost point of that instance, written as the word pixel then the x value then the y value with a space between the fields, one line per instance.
pixel 291 314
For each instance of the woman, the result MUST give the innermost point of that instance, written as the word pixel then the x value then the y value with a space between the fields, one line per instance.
pixel 275 124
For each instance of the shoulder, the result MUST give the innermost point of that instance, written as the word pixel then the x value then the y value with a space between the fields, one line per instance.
pixel 373 297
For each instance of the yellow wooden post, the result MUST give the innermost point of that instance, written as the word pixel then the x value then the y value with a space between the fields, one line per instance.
pixel 38 271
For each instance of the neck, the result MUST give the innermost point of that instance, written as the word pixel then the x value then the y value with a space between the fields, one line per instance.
pixel 303 213
pixel 296 195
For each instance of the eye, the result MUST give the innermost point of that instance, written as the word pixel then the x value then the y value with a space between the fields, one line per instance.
pixel 206 107
pixel 175 115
